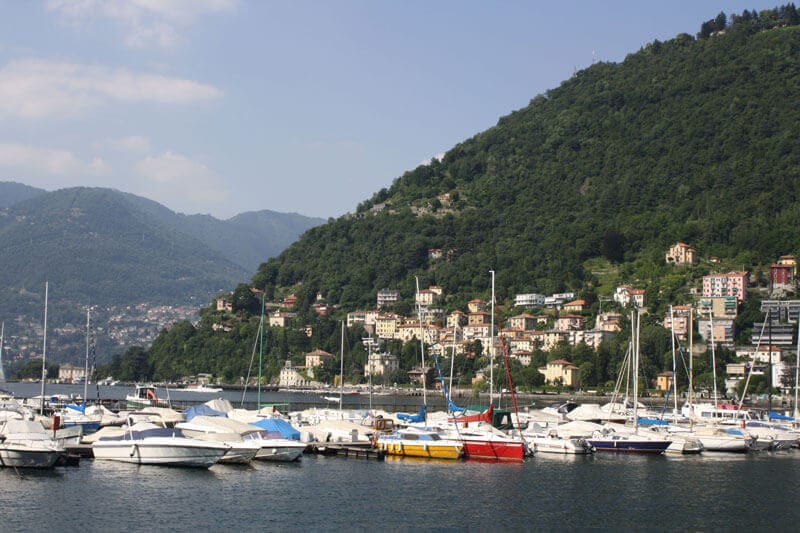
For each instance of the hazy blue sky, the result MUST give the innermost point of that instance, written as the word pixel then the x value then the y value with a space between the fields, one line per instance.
pixel 226 106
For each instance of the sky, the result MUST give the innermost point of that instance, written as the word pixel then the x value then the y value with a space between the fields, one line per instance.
pixel 226 106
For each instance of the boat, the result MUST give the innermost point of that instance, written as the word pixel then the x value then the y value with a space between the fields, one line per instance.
pixel 27 444
pixel 204 427
pixel 552 442
pixel 419 442
pixel 144 443
pixel 143 396
pixel 202 388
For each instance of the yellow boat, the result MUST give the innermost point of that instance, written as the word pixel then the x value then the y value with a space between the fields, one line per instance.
pixel 413 442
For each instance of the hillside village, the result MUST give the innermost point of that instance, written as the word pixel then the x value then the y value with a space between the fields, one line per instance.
pixel 541 323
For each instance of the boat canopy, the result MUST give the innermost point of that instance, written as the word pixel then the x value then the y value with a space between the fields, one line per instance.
pixel 80 408
pixel 777 416
pixel 278 425
pixel 419 417
pixel 201 410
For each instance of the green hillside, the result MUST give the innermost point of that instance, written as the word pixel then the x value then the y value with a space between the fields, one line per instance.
pixel 694 140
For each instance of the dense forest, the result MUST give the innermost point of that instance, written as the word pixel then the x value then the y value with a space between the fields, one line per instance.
pixel 695 139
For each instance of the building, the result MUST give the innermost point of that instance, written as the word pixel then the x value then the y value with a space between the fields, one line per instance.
pixel 774 333
pixel 387 298
pixel 68 373
pixel 456 319
pixel 529 300
pixel 428 296
pixel 316 358
pixel 386 325
pixel 681 254
pixel 728 284
pixel 627 296
pixel 381 364
pixel 280 319
pixel 561 372
pixel 223 304
pixel 723 330
pixel 791 261
pixel 575 306
pixel 523 322
pixel 781 310
pixel 664 381
pixel 719 307
pixel 476 305
pixel 291 377
pixel 569 322
pixel 607 322
pixel 679 321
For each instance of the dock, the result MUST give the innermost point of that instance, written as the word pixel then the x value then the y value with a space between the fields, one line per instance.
pixel 356 452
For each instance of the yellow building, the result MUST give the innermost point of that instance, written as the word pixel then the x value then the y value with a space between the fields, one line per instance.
pixel 561 372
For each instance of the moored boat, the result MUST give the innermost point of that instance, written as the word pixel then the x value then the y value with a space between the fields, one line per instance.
pixel 145 443
pixel 413 442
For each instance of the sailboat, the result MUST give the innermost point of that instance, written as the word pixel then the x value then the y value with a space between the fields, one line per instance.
pixel 416 439
pixel 76 415
pixel 617 438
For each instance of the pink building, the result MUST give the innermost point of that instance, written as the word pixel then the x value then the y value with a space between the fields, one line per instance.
pixel 730 284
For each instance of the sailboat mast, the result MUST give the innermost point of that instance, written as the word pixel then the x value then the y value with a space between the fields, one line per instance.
pixel 491 346
pixel 261 345
pixel 713 356
pixel 635 369
pixel 2 342
pixel 86 364
pixel 421 347
pixel 674 364
pixel 44 349
pixel 690 392
pixel 341 370
pixel 796 370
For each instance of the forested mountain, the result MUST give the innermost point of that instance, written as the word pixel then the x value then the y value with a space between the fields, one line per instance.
pixel 696 139
pixel 11 193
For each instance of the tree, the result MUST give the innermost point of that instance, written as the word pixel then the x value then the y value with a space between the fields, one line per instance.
pixel 613 246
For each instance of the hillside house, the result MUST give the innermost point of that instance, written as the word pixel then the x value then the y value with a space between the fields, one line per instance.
pixel 529 300
pixel 679 321
pixel 561 372
pixel 291 376
pixel 575 306
pixel 523 322
pixel 569 322
pixel 627 296
pixel 387 298
pixel 381 364
pixel 317 358
pixel 681 254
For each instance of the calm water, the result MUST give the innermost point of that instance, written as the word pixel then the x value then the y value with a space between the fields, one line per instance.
pixel 603 492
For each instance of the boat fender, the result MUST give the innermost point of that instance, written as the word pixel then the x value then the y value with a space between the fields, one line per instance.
pixel 375 439
pixel 133 450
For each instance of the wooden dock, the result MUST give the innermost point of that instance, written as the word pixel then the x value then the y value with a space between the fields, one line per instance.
pixel 356 452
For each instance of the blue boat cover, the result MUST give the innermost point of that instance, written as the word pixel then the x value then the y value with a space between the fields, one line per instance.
pixel 79 408
pixel 419 417
pixel 202 410
pixel 652 421
pixel 278 425
pixel 777 416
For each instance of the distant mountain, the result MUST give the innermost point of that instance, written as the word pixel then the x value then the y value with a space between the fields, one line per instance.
pixel 107 247
pixel 11 193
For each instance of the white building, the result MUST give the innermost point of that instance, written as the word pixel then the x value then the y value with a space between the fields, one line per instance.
pixel 381 364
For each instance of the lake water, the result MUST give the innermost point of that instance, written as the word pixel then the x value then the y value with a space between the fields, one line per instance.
pixel 753 492
pixel 709 492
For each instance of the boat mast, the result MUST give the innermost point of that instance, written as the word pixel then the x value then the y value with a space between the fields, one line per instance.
pixel 2 341
pixel 86 364
pixel 796 370
pixel 421 347
pixel 690 392
pixel 44 349
pixel 261 346
pixel 635 369
pixel 341 370
pixel 713 356
pixel 674 364
pixel 491 346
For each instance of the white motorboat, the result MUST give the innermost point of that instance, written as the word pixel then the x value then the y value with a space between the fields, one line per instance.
pixel 145 443
pixel 27 444
pixel 553 442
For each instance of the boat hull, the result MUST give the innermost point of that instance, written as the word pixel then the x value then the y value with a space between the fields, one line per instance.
pixel 15 456
pixel 565 446
pixel 630 446
pixel 155 453
pixel 427 451
pixel 494 450
pixel 280 453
